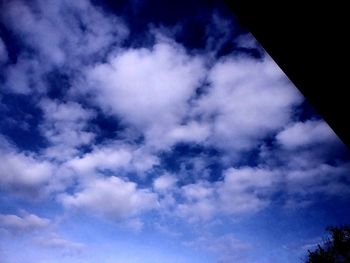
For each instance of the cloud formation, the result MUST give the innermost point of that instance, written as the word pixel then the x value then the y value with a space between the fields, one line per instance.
pixel 248 99
pixel 112 197
pixel 20 224
pixel 149 89
pixel 111 123
pixel 55 241
pixel 65 126
pixel 165 95
pixel 306 134
pixel 59 34
pixel 243 190
pixel 24 174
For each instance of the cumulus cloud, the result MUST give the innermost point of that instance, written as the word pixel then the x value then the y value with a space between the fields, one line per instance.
pixel 20 224
pixel 63 31
pixel 199 204
pixel 61 34
pixel 112 197
pixel 312 168
pixel 305 148
pixel 192 132
pixel 165 95
pixel 325 179
pixel 164 182
pixel 242 190
pixel 24 174
pixel 246 189
pixel 101 159
pixel 305 134
pixel 113 157
pixel 248 99
pixel 149 89
pixel 143 160
pixel 65 127
pixel 29 175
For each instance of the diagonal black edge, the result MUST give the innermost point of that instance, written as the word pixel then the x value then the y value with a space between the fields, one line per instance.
pixel 308 40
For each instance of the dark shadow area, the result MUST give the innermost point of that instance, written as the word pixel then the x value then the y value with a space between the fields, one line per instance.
pixel 335 247
pixel 308 40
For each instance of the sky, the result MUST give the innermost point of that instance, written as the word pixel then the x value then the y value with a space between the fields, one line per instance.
pixel 156 131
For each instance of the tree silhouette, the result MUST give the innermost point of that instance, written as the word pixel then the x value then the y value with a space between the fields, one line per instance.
pixel 335 247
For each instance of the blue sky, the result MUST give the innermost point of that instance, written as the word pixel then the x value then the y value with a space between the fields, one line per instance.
pixel 149 131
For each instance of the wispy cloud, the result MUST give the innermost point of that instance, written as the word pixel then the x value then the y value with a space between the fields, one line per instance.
pixel 57 242
pixel 23 223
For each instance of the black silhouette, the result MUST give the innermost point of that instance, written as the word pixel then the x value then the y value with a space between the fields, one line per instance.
pixel 335 247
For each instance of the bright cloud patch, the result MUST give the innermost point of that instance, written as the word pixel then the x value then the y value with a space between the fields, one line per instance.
pixel 248 99
pixel 243 190
pixel 112 197
pixel 25 174
pixel 305 134
pixel 149 88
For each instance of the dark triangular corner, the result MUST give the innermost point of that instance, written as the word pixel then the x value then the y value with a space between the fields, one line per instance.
pixel 308 40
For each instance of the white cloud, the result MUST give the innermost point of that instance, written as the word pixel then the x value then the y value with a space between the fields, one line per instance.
pixel 197 191
pixel 247 100
pixel 143 160
pixel 113 157
pixel 66 112
pixel 26 222
pixel 200 202
pixel 101 159
pixel 29 175
pixel 192 132
pixel 149 89
pixel 201 210
pixel 64 34
pixel 24 174
pixel 164 182
pixel 305 134
pixel 153 91
pixel 65 30
pixel 55 241
pixel 111 197
pixel 246 189
pixel 243 190
pixel 65 127
pixel 324 179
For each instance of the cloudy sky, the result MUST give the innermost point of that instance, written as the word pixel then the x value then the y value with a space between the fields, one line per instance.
pixel 147 131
